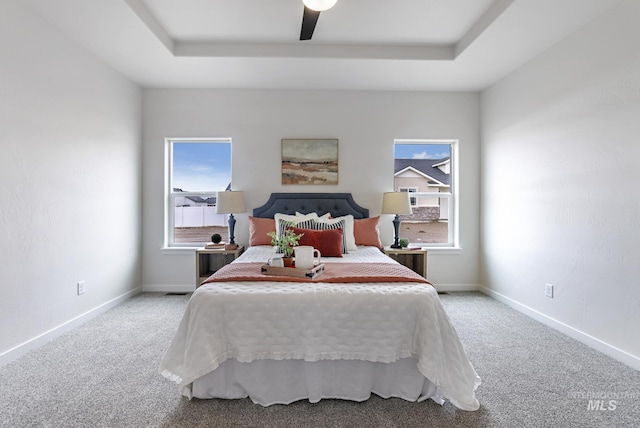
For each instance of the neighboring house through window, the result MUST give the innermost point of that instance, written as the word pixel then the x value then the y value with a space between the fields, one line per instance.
pixel 427 170
pixel 196 170
pixel 410 190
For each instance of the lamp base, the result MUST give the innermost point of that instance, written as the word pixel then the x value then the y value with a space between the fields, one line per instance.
pixel 232 226
pixel 231 247
pixel 396 230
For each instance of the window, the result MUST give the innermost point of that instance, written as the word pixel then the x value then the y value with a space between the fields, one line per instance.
pixel 427 169
pixel 410 190
pixel 196 170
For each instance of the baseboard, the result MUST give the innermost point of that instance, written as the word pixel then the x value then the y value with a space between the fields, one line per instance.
pixel 168 288
pixel 597 344
pixel 456 287
pixel 18 351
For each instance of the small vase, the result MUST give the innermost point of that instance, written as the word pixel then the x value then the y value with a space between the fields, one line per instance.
pixel 288 261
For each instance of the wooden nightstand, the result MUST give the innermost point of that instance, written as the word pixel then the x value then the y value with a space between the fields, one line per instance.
pixel 416 260
pixel 210 260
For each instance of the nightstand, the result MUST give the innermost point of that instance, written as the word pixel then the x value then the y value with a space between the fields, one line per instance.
pixel 210 260
pixel 416 260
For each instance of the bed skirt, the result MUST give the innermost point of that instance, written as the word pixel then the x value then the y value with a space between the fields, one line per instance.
pixel 269 382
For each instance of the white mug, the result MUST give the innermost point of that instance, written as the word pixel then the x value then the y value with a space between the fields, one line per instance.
pixel 276 261
pixel 306 256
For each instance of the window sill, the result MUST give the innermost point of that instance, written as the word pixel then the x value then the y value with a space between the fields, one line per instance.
pixel 179 250
pixel 430 250
pixel 443 250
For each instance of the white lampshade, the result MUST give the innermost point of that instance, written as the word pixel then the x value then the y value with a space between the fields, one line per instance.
pixel 230 202
pixel 396 203
pixel 319 5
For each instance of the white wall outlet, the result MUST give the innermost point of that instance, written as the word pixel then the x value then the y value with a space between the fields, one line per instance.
pixel 81 285
pixel 548 290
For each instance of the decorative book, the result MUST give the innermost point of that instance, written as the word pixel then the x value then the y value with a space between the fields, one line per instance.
pixel 211 245
pixel 292 271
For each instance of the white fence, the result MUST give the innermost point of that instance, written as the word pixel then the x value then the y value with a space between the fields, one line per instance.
pixel 198 216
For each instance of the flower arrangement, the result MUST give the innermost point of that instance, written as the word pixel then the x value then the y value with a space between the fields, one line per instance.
pixel 286 242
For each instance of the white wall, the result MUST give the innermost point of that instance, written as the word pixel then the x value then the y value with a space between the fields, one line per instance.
pixel 365 124
pixel 70 174
pixel 560 175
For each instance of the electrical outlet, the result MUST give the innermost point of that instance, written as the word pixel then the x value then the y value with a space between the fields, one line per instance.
pixel 548 290
pixel 81 285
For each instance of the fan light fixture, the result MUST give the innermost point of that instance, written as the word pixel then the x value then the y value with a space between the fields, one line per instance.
pixel 319 5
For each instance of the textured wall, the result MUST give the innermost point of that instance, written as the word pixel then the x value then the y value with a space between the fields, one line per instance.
pixel 70 179
pixel 560 195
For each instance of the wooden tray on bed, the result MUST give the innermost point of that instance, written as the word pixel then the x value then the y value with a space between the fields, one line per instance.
pixel 292 271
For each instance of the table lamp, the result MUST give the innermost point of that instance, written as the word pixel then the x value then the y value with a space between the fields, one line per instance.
pixel 396 203
pixel 230 202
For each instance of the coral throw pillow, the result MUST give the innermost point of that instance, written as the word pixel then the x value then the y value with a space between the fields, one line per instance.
pixel 258 229
pixel 328 242
pixel 367 232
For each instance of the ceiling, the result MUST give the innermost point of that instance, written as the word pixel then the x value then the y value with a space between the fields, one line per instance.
pixel 430 45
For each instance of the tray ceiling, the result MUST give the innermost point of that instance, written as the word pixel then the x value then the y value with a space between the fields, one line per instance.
pixel 447 45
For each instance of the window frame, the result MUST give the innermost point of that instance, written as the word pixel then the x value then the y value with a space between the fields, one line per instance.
pixel 452 196
pixel 170 195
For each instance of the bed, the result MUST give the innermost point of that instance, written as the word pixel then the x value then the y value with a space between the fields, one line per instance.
pixel 365 325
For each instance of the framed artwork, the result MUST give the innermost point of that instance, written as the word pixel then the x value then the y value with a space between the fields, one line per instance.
pixel 309 161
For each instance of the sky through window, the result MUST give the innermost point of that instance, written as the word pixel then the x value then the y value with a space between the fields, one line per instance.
pixel 201 167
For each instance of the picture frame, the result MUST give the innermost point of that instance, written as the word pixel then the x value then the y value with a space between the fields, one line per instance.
pixel 309 161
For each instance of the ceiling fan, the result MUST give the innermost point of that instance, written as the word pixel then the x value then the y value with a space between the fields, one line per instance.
pixel 312 9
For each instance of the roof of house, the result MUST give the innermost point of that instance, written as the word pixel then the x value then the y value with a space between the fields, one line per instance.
pixel 425 166
pixel 198 199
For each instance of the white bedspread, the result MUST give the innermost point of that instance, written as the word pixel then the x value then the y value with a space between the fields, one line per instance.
pixel 262 253
pixel 380 322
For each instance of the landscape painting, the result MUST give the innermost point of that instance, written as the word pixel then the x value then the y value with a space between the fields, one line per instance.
pixel 310 161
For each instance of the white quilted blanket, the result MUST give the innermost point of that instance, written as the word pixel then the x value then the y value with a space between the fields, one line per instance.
pixel 262 253
pixel 380 322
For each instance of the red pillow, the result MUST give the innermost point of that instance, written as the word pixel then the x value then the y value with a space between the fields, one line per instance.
pixel 328 242
pixel 258 229
pixel 366 231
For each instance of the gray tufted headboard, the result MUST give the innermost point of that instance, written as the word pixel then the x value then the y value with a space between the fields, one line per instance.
pixel 338 204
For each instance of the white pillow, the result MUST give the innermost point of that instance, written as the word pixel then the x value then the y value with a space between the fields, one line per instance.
pixel 296 219
pixel 347 231
pixel 325 215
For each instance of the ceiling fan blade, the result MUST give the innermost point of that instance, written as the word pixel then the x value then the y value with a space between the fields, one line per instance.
pixel 309 20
